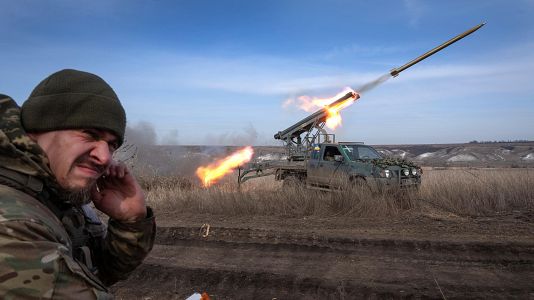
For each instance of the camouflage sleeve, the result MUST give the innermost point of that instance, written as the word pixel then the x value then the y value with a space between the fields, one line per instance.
pixel 35 260
pixel 125 247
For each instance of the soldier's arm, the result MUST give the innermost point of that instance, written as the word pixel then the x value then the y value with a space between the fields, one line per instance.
pixel 131 226
pixel 125 246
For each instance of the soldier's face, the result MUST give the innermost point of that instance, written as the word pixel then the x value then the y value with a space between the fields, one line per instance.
pixel 77 157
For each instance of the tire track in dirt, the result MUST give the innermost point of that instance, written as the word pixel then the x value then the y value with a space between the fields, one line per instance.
pixel 239 237
pixel 234 263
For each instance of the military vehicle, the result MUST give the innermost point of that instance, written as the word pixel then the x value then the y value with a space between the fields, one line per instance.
pixel 315 159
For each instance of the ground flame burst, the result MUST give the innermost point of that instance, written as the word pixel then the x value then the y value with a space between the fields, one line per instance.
pixel 214 171
pixel 311 104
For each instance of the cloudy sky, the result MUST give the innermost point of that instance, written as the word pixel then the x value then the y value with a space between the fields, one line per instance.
pixel 219 71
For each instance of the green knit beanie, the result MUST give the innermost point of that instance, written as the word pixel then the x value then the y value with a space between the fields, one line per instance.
pixel 71 99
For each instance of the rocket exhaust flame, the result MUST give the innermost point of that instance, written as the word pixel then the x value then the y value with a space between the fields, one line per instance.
pixel 333 120
pixel 310 104
pixel 211 173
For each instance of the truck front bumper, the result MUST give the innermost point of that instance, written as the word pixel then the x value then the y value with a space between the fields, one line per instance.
pixel 398 182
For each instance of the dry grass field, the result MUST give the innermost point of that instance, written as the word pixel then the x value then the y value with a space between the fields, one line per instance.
pixel 462 191
pixel 466 233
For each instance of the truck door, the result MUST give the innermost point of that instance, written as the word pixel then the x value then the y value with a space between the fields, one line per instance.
pixel 313 164
pixel 327 171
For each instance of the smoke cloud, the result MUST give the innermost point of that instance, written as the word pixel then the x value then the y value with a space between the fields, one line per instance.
pixel 249 136
pixel 151 155
pixel 171 138
pixel 142 133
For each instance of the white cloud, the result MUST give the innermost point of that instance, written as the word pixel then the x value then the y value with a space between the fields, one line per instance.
pixel 278 76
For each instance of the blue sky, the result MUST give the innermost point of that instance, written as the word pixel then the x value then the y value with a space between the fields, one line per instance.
pixel 218 72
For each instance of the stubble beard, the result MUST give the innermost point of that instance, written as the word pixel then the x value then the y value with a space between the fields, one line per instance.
pixel 78 196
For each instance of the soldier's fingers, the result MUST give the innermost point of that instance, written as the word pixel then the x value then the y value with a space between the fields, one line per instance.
pixel 116 171
pixel 121 171
pixel 95 194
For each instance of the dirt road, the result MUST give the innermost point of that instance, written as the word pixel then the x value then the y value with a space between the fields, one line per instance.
pixel 266 258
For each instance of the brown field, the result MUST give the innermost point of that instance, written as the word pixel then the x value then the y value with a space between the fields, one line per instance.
pixel 467 233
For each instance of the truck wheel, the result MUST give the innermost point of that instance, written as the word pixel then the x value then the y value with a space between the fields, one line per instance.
pixel 292 181
pixel 360 184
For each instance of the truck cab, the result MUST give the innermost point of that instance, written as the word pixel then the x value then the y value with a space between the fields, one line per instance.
pixel 338 165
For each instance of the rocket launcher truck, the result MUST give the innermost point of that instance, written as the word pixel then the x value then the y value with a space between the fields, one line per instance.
pixel 315 159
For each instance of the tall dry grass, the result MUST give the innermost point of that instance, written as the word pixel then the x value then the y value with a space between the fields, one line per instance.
pixel 476 192
pixel 464 192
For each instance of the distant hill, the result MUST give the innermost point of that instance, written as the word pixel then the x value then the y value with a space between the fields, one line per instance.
pixel 184 160
pixel 495 154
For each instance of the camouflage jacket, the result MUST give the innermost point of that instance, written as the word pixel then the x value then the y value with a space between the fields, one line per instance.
pixel 49 248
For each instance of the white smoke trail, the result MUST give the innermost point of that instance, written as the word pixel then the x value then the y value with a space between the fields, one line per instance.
pixel 371 85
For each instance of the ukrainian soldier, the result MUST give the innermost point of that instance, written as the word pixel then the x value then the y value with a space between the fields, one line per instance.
pixel 55 159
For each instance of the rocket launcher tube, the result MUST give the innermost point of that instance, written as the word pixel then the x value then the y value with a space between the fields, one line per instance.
pixel 396 71
pixel 305 123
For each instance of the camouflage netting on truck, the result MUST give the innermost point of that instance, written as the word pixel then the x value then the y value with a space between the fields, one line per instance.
pixel 393 161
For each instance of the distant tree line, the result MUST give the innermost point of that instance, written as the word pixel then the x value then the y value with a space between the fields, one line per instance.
pixel 501 141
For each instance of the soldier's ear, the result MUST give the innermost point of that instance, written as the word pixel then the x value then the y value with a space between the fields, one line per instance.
pixel 35 136
pixel 32 136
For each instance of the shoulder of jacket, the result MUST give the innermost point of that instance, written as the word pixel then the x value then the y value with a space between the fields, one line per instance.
pixel 24 215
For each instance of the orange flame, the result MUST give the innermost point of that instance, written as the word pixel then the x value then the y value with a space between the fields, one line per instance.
pixel 214 171
pixel 310 104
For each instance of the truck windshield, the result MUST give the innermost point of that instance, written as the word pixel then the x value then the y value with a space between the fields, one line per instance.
pixel 355 152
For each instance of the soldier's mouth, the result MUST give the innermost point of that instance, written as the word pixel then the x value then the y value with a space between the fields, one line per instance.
pixel 91 170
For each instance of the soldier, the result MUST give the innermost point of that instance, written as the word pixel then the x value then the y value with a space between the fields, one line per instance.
pixel 55 158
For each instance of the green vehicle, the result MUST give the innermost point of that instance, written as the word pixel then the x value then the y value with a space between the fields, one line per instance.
pixel 335 166
pixel 314 159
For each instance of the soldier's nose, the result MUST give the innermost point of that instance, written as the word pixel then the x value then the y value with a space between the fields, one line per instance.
pixel 101 153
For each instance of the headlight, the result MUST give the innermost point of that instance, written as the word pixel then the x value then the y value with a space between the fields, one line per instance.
pixel 414 171
pixel 406 172
pixel 386 173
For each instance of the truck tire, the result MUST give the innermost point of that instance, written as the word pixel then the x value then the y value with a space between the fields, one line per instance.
pixel 360 183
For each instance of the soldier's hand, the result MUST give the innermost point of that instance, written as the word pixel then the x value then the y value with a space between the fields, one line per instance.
pixel 118 195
